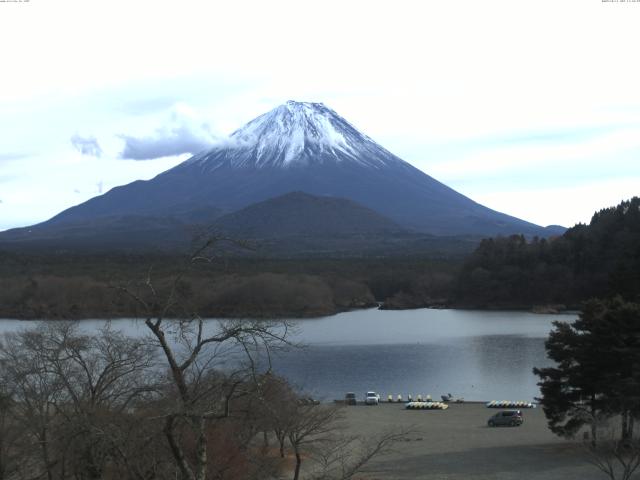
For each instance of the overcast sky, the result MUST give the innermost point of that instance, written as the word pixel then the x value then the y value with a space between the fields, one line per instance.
pixel 529 107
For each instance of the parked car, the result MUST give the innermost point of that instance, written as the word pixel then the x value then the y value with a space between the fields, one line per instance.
pixel 350 398
pixel 372 398
pixel 512 418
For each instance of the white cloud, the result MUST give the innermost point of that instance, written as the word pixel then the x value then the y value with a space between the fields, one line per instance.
pixel 545 155
pixel 564 206
pixel 86 145
pixel 185 131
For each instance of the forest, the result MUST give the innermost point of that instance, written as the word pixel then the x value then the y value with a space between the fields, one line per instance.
pixel 67 286
pixel 601 259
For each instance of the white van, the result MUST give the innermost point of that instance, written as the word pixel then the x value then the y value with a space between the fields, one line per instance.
pixel 372 398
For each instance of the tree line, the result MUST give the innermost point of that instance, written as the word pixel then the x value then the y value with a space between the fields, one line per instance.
pixel 601 259
pixel 65 286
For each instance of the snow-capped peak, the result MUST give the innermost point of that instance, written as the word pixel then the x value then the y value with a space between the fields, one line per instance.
pixel 293 126
pixel 297 133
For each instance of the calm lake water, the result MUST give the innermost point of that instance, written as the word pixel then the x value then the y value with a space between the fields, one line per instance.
pixel 477 355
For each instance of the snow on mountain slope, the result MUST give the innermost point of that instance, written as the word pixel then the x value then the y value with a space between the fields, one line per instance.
pixel 296 133
pixel 303 147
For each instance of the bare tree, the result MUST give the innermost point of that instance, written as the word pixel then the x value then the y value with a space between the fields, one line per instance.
pixel 102 375
pixel 10 437
pixel 71 391
pixel 309 426
pixel 618 458
pixel 277 408
pixel 192 348
pixel 35 391
pixel 346 456
pixel 139 449
pixel 316 432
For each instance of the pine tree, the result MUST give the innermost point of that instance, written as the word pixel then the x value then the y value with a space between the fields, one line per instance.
pixel 597 372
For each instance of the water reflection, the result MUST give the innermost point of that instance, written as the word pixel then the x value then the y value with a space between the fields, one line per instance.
pixel 478 368
pixel 476 355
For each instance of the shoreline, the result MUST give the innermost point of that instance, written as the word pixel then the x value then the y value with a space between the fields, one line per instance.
pixel 303 315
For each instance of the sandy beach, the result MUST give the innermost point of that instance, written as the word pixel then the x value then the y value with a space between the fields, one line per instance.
pixel 457 444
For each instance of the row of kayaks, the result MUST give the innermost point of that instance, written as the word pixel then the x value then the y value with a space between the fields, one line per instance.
pixel 509 404
pixel 426 406
pixel 399 399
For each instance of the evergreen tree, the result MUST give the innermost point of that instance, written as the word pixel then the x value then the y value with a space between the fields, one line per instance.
pixel 597 372
pixel 601 259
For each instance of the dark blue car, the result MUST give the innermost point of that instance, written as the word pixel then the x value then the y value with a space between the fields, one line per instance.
pixel 511 418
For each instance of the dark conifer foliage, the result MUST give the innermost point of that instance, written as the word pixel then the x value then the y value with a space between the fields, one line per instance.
pixel 597 372
pixel 601 259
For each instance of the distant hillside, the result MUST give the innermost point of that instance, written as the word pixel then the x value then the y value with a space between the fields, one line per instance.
pixel 291 225
pixel 109 233
pixel 596 260
pixel 299 213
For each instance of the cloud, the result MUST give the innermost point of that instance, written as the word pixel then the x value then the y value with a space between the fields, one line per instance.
pixel 12 156
pixel 86 145
pixel 544 205
pixel 184 132
pixel 147 105
pixel 581 152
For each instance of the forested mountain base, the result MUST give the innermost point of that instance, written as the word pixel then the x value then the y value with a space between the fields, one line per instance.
pixel 601 259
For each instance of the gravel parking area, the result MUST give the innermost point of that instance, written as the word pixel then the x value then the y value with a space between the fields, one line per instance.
pixel 457 444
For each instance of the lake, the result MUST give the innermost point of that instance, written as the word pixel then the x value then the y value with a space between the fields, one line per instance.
pixel 478 355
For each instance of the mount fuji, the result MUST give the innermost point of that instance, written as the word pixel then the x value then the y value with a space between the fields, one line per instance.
pixel 296 147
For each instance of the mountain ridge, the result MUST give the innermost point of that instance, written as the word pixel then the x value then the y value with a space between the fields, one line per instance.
pixel 298 146
pixel 299 213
